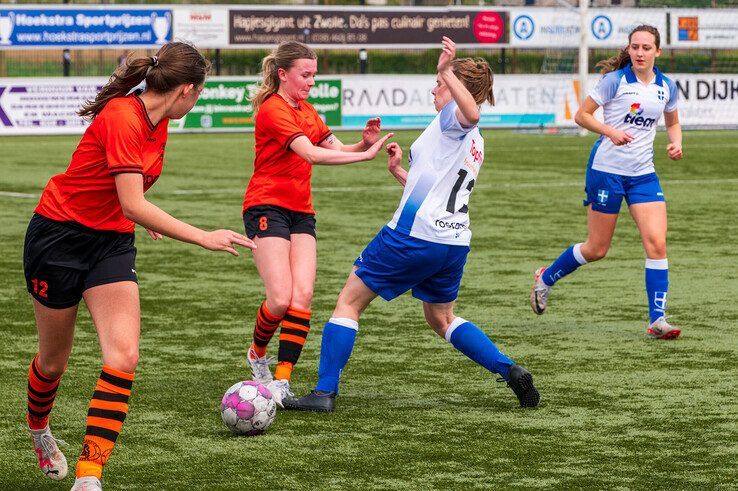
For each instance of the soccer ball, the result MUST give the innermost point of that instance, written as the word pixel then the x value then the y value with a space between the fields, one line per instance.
pixel 247 408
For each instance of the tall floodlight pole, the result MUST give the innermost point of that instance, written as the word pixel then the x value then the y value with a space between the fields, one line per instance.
pixel 583 53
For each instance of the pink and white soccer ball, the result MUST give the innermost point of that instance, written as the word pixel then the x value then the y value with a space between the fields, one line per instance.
pixel 247 408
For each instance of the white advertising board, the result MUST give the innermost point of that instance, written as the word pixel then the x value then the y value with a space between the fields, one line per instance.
pixel 559 28
pixel 202 26
pixel 716 28
pixel 48 106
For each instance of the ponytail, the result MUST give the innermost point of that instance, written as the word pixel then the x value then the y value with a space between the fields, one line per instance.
pixel 125 78
pixel 173 65
pixel 269 84
pixel 615 63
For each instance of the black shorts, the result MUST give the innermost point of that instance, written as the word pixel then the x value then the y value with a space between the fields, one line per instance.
pixel 63 259
pixel 275 221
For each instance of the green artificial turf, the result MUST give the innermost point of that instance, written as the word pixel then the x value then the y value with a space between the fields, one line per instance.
pixel 617 411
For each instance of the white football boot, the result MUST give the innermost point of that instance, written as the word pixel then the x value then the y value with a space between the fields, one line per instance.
pixel 660 329
pixel 279 389
pixel 51 460
pixel 259 366
pixel 539 293
pixel 87 483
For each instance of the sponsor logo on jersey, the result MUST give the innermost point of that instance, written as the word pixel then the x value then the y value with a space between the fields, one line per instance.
pixel 450 225
pixel 476 154
pixel 634 116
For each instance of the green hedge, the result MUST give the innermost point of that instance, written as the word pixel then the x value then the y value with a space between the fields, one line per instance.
pixel 331 62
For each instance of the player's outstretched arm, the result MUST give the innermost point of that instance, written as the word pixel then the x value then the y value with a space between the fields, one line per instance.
pixel 329 156
pixel 394 163
pixel 674 133
pixel 139 210
pixel 468 111
pixel 585 118
pixel 369 137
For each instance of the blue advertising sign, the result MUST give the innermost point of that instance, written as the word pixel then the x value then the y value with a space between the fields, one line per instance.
pixel 30 28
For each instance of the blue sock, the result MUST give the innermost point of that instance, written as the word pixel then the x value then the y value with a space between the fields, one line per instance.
pixel 566 263
pixel 470 340
pixel 657 286
pixel 337 343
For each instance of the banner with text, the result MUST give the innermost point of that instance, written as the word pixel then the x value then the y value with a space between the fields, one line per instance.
pixel 525 100
pixel 83 28
pixel 367 27
pixel 559 28
pixel 716 28
pixel 48 106
pixel 225 104
pixel 205 27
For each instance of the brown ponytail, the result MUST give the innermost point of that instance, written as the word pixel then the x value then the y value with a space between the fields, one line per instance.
pixel 173 65
pixel 623 58
pixel 284 56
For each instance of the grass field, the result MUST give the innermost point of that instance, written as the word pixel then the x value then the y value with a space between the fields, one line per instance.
pixel 617 411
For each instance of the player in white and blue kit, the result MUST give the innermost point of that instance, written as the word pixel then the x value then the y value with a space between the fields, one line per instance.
pixel 424 246
pixel 633 94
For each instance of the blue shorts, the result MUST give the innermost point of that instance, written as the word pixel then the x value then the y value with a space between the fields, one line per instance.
pixel 394 262
pixel 605 191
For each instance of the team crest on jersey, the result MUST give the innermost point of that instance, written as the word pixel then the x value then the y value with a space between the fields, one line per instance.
pixel 661 95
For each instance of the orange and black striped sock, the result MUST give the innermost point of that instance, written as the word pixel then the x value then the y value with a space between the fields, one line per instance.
pixel 41 394
pixel 292 336
pixel 108 410
pixel 266 324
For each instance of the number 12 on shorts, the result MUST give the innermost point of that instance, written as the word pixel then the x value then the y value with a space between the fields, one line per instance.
pixel 40 288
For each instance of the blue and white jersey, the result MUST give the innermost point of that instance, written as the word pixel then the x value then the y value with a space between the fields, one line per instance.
pixel 631 106
pixel 444 165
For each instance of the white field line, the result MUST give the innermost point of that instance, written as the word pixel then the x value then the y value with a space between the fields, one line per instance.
pixel 346 189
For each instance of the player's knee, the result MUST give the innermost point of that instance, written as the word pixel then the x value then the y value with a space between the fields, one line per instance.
pixel 125 359
pixel 656 249
pixel 302 297
pixel 439 323
pixel 346 308
pixel 279 303
pixel 52 368
pixel 595 252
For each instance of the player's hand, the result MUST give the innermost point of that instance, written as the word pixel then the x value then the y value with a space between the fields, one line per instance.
pixel 372 151
pixel 154 235
pixel 620 137
pixel 394 156
pixel 674 150
pixel 371 132
pixel 226 240
pixel 448 53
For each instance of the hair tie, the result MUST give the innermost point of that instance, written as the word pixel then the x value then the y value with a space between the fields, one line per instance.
pixel 154 61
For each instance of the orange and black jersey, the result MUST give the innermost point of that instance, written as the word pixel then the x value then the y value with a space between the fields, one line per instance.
pixel 281 177
pixel 120 139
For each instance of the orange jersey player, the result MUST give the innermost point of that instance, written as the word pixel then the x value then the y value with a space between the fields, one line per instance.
pixel 278 213
pixel 80 244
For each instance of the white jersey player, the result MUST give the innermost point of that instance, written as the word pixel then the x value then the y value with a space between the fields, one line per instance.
pixel 633 94
pixel 424 247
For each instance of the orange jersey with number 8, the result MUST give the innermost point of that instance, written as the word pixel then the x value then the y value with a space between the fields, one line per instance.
pixel 281 177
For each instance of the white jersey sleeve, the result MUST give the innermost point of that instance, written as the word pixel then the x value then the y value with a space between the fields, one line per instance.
pixel 444 164
pixel 606 88
pixel 671 104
